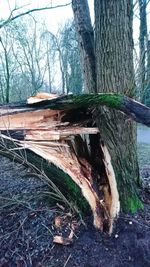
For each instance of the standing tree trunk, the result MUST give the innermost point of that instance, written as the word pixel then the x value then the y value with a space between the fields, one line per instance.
pixel 86 43
pixel 146 100
pixel 143 43
pixel 7 75
pixel 49 68
pixel 114 73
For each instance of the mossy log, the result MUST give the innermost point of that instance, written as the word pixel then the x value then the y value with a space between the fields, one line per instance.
pixel 62 131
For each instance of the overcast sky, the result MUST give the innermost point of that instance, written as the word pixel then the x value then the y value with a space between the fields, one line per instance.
pixel 56 17
pixel 53 17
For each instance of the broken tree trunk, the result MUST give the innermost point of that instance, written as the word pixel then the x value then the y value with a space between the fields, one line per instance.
pixel 62 131
pixel 132 108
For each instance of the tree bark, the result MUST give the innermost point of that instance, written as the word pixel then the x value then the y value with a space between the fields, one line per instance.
pixel 143 43
pixel 86 43
pixel 146 98
pixel 7 76
pixel 115 73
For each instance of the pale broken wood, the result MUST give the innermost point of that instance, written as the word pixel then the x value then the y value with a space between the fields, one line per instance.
pixel 64 240
pixel 40 97
pixel 112 195
pixel 63 142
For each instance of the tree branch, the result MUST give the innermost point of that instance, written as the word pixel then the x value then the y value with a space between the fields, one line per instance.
pixel 132 108
pixel 10 19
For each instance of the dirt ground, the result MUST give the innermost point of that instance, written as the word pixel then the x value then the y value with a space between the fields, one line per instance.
pixel 28 226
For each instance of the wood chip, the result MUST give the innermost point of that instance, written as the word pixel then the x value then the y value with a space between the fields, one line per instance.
pixel 62 241
pixel 58 222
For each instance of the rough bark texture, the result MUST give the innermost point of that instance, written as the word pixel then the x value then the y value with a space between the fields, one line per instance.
pixel 114 46
pixel 147 90
pixel 86 43
pixel 143 46
pixel 114 67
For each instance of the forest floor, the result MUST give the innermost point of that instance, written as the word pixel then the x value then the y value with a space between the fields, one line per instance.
pixel 28 225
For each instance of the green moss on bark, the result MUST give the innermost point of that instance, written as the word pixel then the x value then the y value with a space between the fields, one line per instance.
pixel 83 101
pixel 62 181
pixel 132 204
pixel 69 189
pixel 128 192
pixel 88 100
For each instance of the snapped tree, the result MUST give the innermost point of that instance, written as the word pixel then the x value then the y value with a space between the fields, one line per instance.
pixel 61 131
pixel 64 131
pixel 107 58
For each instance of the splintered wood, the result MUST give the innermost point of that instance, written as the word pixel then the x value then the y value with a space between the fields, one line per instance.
pixel 67 139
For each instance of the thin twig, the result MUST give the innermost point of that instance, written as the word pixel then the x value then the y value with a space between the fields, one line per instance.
pixel 65 264
pixel 10 19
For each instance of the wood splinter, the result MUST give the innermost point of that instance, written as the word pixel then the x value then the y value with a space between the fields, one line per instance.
pixel 67 140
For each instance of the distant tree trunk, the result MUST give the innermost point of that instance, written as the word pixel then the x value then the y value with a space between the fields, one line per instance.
pixel 61 70
pixel 146 98
pixel 143 47
pixel 148 61
pixel 7 76
pixel 2 99
pixel 114 73
pixel 49 69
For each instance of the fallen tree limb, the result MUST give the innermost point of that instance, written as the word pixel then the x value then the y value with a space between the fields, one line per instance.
pixel 135 110
pixel 61 130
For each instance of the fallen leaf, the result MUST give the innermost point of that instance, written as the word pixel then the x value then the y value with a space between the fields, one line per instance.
pixel 58 222
pixel 62 241
pixel 71 235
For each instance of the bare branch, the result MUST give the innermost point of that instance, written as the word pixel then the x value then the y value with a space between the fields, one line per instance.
pixel 10 19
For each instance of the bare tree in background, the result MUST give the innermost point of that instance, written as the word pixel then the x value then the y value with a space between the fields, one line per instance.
pixel 30 45
pixel 17 12
pixel 64 48
pixel 146 98
pixel 143 38
pixel 24 61
pixel 6 72
pixel 8 66
pixel 57 52
pixel 144 46
pixel 34 67
pixel 70 58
